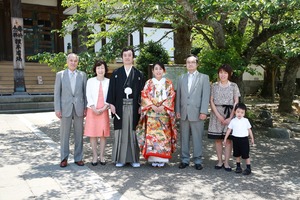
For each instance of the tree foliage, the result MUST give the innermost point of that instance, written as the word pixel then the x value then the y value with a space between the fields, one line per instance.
pixel 58 61
pixel 151 53
pixel 234 26
pixel 117 19
pixel 231 31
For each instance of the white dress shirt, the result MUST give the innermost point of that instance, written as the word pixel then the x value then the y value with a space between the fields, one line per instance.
pixel 190 79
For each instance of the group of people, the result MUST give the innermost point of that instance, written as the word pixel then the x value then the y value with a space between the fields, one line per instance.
pixel 144 114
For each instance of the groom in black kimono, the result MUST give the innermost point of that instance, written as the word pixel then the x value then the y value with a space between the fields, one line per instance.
pixel 125 149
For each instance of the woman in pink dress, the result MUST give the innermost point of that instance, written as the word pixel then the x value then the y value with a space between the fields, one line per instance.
pixel 97 119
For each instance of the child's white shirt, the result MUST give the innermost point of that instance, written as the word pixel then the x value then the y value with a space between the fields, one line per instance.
pixel 239 127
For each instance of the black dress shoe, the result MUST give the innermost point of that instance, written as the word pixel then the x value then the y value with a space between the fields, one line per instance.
pixel 63 163
pixel 228 169
pixel 183 165
pixel 79 163
pixel 94 163
pixel 247 171
pixel 198 166
pixel 219 167
pixel 103 163
pixel 238 170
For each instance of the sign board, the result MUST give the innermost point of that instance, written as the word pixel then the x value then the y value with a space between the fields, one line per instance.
pixel 18 42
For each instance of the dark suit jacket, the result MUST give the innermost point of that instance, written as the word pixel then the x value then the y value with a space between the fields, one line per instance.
pixel 118 82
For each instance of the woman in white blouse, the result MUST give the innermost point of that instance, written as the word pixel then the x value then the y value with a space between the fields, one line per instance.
pixel 97 119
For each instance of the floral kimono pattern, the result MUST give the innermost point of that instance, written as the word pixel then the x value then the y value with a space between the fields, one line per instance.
pixel 156 132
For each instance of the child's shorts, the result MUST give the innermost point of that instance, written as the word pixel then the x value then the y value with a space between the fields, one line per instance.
pixel 241 147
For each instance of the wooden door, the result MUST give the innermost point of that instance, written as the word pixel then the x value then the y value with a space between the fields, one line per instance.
pixel 37 33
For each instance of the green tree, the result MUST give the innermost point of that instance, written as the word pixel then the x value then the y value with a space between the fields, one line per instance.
pixel 58 61
pixel 226 26
pixel 292 55
pixel 281 52
pixel 270 56
pixel 152 52
pixel 289 86
pixel 235 30
pixel 231 31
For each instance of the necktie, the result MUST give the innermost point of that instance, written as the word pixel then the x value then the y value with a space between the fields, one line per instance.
pixel 190 81
pixel 73 81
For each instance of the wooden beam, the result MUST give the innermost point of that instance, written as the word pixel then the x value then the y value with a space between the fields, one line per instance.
pixel 18 46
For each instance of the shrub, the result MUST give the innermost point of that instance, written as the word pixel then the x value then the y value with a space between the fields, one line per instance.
pixel 58 61
pixel 151 53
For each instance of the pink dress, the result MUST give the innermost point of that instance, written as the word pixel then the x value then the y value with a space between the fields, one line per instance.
pixel 97 125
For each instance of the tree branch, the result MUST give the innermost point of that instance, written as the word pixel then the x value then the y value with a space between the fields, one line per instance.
pixel 188 10
pixel 219 33
pixel 263 37
pixel 208 40
pixel 242 25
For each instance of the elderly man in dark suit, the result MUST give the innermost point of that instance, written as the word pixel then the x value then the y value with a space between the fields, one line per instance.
pixel 70 106
pixel 192 100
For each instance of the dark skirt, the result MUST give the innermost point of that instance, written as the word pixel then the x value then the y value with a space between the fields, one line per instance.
pixel 218 136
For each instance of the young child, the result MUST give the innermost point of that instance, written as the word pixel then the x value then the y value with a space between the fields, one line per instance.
pixel 241 129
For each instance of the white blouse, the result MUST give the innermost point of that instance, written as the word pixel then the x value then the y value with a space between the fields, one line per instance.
pixel 92 90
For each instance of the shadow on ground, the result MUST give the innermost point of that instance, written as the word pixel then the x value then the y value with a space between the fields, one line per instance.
pixel 275 166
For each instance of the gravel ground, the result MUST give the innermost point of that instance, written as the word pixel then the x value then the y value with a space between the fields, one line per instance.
pixel 275 166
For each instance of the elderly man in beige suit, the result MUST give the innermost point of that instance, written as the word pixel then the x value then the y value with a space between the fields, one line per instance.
pixel 192 100
pixel 70 107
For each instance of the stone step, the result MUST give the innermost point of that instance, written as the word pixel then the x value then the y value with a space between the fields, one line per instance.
pixel 33 110
pixel 26 98
pixel 30 88
pixel 31 73
pixel 26 103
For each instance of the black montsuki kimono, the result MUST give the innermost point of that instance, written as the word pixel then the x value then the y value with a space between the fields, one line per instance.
pixel 118 82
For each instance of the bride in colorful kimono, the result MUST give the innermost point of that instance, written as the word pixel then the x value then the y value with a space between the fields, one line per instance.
pixel 156 131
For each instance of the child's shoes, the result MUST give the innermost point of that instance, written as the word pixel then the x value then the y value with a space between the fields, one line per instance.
pixel 238 170
pixel 247 171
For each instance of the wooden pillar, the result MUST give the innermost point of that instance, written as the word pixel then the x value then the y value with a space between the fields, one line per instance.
pixel 59 41
pixel 18 46
pixel 7 51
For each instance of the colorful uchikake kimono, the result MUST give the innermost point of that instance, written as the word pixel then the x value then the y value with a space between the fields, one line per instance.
pixel 156 132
